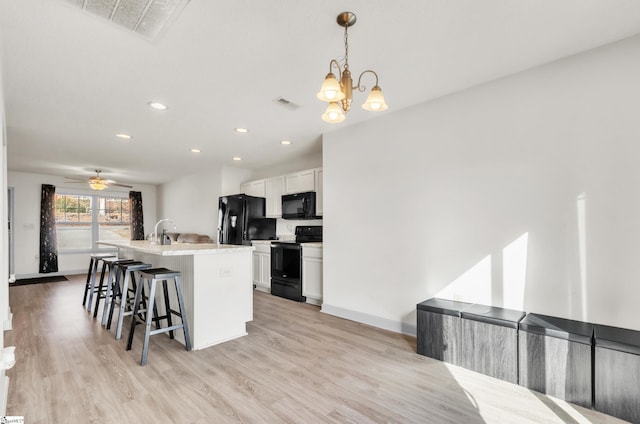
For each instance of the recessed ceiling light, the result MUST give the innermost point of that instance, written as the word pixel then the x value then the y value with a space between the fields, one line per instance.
pixel 285 142
pixel 237 158
pixel 124 136
pixel 194 150
pixel 157 106
pixel 242 130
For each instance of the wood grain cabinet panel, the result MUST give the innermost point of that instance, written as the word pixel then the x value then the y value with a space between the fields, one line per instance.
pixel 556 367
pixel 490 341
pixel 439 334
pixel 617 372
pixel 490 349
pixel 555 357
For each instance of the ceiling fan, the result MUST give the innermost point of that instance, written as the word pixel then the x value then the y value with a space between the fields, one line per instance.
pixel 97 182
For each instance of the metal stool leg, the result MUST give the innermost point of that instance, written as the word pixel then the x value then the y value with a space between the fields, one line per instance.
pixel 147 332
pixel 117 293
pixel 183 315
pixel 111 282
pixel 167 307
pixel 136 307
pixel 86 286
pixel 92 287
pixel 145 306
pixel 95 309
pixel 124 301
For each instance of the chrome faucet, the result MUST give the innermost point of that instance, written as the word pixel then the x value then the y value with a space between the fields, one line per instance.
pixel 155 232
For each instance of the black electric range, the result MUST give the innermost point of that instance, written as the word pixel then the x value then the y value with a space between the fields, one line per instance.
pixel 286 263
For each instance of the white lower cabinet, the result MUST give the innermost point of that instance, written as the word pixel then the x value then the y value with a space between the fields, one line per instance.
pixel 262 266
pixel 312 273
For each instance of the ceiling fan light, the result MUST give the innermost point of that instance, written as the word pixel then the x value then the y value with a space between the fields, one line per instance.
pixel 375 101
pixel 333 114
pixel 331 90
pixel 98 185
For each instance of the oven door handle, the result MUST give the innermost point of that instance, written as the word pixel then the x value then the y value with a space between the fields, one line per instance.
pixel 284 283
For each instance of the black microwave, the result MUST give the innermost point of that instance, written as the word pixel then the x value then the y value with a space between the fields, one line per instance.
pixel 299 206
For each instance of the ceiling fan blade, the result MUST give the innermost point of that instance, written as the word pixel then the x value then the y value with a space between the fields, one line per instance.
pixel 120 185
pixel 76 179
pixel 75 182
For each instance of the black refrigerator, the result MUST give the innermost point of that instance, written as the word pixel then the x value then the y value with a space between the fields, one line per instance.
pixel 241 219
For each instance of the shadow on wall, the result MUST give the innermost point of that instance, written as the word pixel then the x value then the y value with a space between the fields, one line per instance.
pixel 494 280
pixel 504 279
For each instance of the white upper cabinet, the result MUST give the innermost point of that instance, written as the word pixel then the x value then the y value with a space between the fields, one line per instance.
pixel 300 182
pixel 274 189
pixel 253 188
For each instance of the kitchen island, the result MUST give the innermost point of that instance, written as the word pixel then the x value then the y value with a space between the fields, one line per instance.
pixel 216 285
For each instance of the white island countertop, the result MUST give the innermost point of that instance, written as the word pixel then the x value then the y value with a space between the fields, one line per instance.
pixel 174 249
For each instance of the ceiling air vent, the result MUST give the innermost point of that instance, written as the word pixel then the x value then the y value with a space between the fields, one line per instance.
pixel 148 18
pixel 286 103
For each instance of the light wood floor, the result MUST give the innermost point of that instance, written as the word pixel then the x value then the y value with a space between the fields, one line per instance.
pixel 297 365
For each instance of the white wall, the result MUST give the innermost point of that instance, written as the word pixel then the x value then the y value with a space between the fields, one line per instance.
pixel 191 202
pixel 5 322
pixel 521 193
pixel 27 192
pixel 231 180
pixel 310 161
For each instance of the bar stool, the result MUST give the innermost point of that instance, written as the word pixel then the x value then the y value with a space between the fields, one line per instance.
pixel 122 288
pixel 154 275
pixel 104 291
pixel 90 286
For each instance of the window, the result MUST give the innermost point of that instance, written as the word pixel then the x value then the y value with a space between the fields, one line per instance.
pixel 82 220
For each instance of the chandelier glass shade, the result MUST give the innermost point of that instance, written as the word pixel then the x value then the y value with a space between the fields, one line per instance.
pixel 338 92
pixel 333 114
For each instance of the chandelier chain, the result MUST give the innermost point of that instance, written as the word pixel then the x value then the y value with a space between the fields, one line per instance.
pixel 346 47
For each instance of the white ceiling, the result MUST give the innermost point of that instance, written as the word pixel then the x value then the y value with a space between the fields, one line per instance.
pixel 73 80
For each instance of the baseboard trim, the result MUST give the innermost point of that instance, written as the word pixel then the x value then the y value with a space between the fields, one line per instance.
pixel 375 321
pixel 4 393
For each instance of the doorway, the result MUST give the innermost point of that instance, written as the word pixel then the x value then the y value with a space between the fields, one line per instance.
pixel 12 273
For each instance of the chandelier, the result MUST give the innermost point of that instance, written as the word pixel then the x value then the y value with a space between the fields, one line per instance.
pixel 339 94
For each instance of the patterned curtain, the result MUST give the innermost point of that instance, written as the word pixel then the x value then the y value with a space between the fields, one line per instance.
pixel 137 222
pixel 48 238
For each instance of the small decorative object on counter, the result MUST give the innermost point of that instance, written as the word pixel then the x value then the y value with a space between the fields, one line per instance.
pixel 165 238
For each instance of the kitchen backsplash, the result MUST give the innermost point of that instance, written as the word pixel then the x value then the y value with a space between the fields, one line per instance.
pixel 287 227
